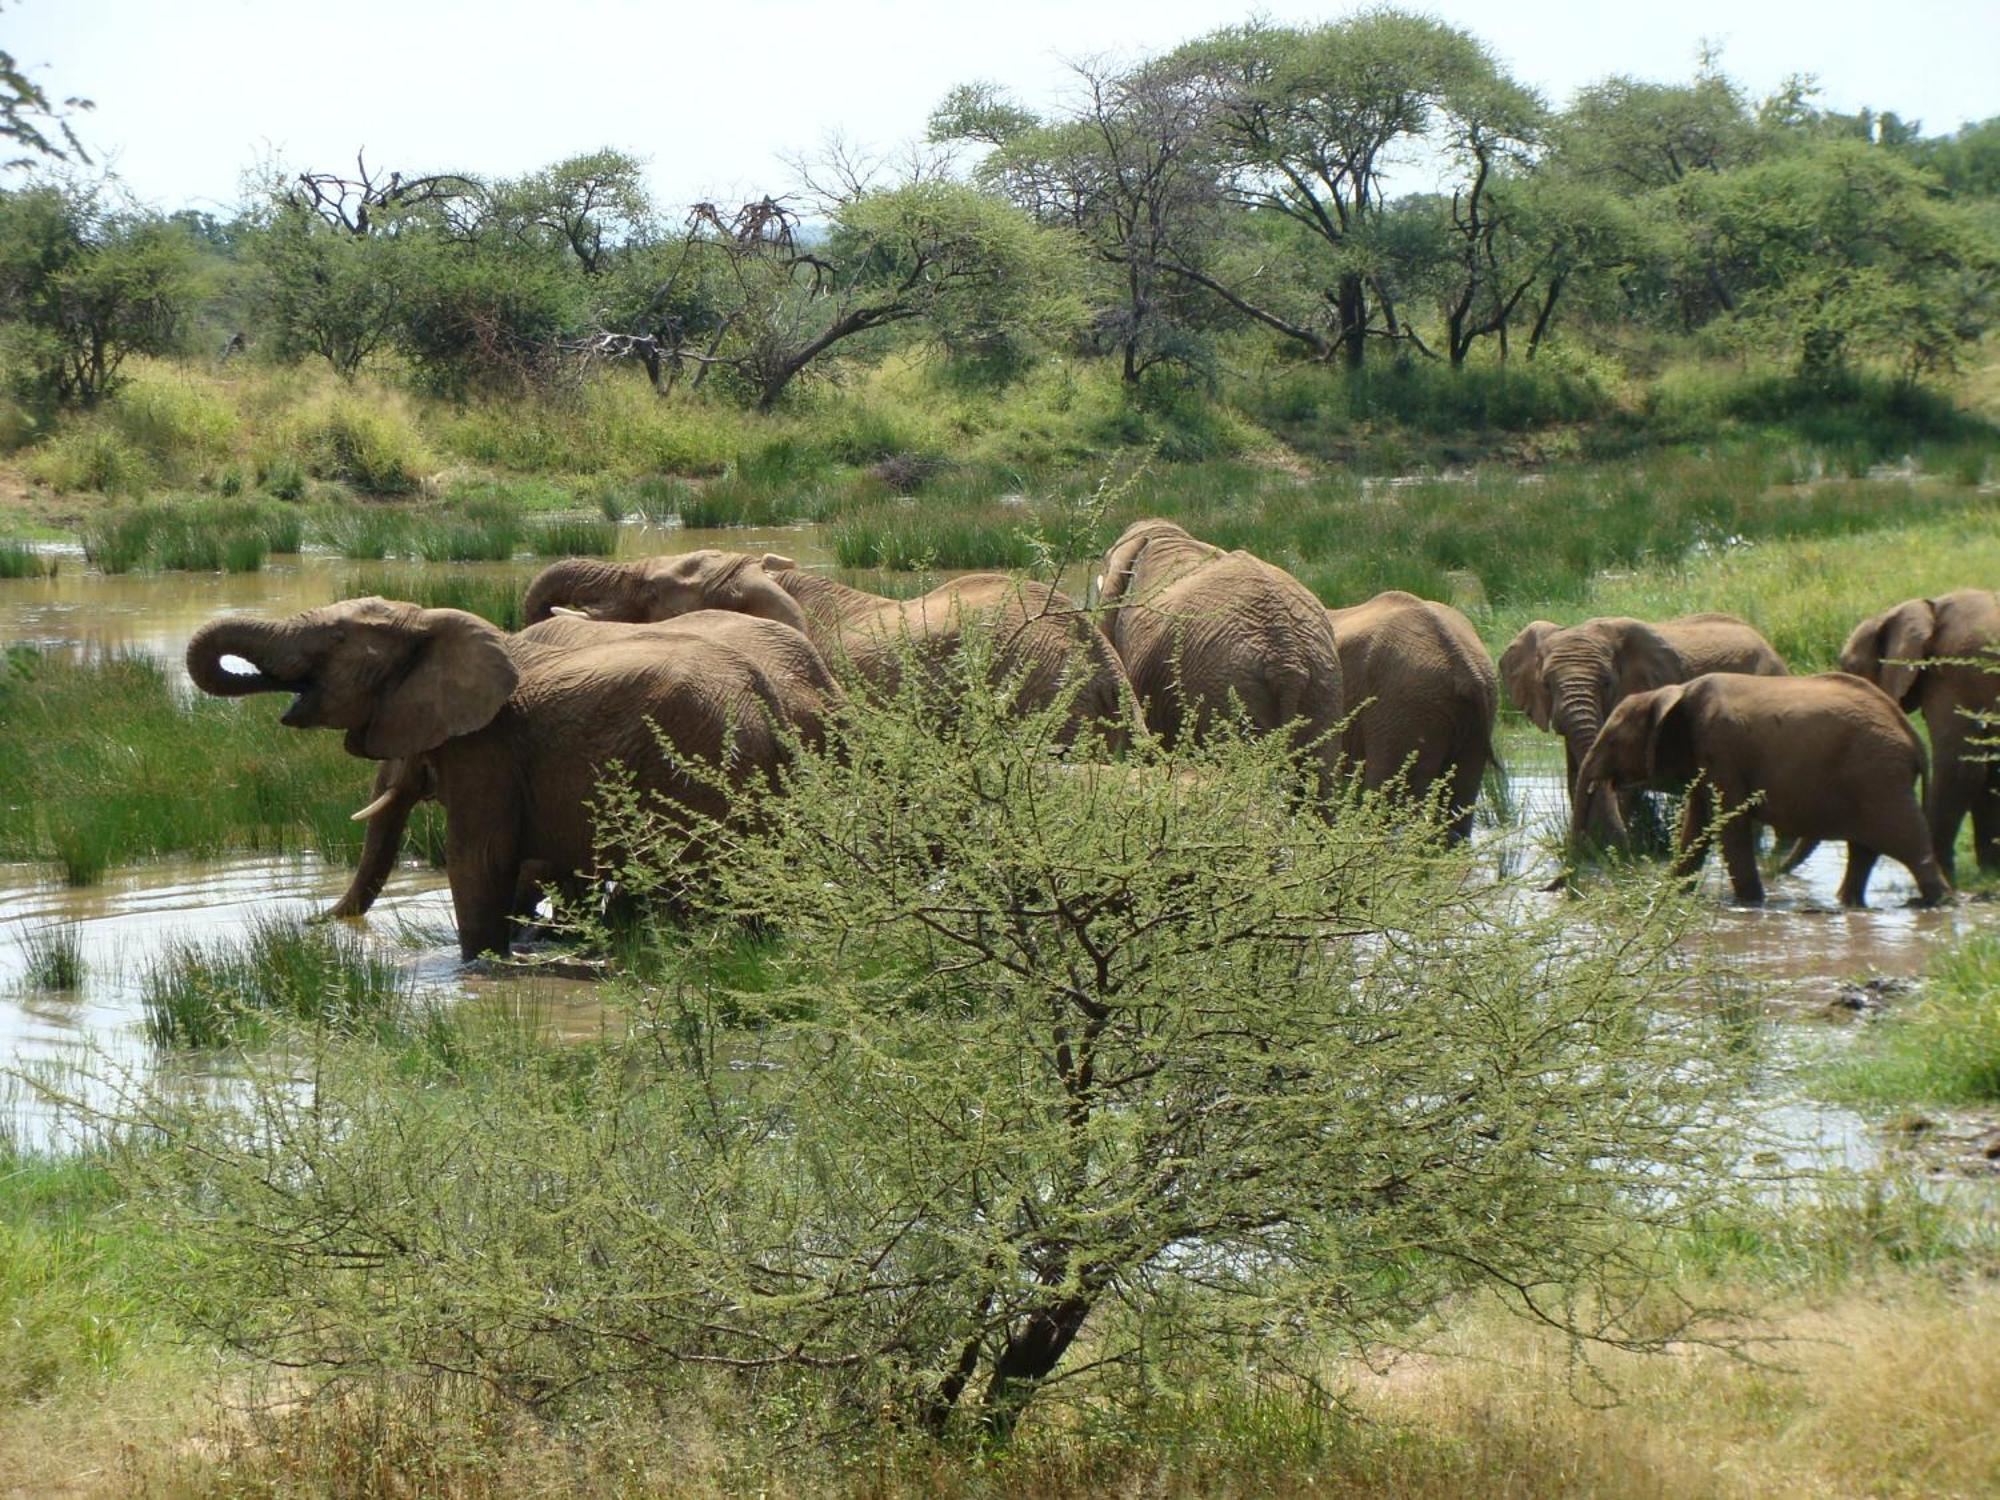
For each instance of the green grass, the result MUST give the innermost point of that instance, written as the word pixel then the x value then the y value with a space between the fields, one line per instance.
pixel 1940 1050
pixel 20 561
pixel 197 536
pixel 913 536
pixel 110 765
pixel 573 536
pixel 73 1308
pixel 216 994
pixel 495 599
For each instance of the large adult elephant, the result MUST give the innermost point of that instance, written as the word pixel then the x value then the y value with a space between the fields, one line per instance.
pixel 1202 631
pixel 1941 658
pixel 1826 757
pixel 1043 638
pixel 512 734
pixel 402 784
pixel 1567 681
pixel 1425 697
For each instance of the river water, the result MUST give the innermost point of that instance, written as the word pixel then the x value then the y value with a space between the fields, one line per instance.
pixel 1797 956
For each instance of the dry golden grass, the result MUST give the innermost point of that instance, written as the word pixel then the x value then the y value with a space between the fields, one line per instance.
pixel 1887 1391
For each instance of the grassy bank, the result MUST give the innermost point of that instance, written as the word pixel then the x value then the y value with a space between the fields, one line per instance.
pixel 1938 1051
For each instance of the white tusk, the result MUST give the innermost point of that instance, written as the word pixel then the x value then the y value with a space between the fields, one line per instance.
pixel 564 609
pixel 373 808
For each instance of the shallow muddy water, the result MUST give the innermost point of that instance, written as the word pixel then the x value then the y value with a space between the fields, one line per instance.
pixel 1795 955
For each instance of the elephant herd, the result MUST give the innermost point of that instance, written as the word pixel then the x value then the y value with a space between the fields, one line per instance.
pixel 729 655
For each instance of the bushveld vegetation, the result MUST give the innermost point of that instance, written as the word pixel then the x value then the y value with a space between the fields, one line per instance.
pixel 1114 1129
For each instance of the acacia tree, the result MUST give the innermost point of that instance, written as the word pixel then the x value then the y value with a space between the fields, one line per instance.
pixel 1308 123
pixel 592 206
pixel 1131 170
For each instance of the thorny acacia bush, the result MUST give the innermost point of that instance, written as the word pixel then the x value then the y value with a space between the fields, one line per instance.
pixel 1040 1076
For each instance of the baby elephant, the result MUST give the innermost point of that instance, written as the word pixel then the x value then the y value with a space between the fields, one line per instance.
pixel 1826 757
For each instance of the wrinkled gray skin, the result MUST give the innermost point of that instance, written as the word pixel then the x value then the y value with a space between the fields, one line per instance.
pixel 1890 650
pixel 1826 757
pixel 512 733
pixel 1567 681
pixel 1195 625
pixel 1427 695
pixel 1041 634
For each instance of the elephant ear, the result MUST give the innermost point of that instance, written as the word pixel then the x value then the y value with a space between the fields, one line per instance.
pixel 1521 670
pixel 1123 559
pixel 1642 660
pixel 1670 734
pixel 1903 641
pixel 458 677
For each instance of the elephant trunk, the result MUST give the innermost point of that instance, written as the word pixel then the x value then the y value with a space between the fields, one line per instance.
pixel 600 588
pixel 272 648
pixel 1593 801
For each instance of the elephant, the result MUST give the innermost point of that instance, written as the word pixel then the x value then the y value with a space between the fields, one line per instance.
pixel 1568 680
pixel 1824 757
pixel 1201 630
pixel 1426 696
pixel 400 785
pixel 512 734
pixel 1926 654
pixel 1043 637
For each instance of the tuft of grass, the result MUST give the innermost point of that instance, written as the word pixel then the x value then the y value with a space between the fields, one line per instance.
pixel 215 994
pixel 573 536
pixel 908 538
pixel 495 599
pixel 54 954
pixel 17 560
pixel 370 443
pixel 91 456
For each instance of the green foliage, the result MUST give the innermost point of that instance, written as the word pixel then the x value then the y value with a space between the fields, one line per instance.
pixel 91 456
pixel 203 536
pixel 1845 251
pixel 216 994
pixel 1141 1047
pixel 573 536
pixel 322 290
pixel 82 287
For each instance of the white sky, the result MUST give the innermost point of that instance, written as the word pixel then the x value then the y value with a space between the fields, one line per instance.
pixel 190 93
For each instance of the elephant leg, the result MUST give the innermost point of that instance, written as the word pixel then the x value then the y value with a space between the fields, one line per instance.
pixel 1739 854
pixel 1906 839
pixel 483 864
pixel 1986 821
pixel 1854 884
pixel 1696 815
pixel 1957 787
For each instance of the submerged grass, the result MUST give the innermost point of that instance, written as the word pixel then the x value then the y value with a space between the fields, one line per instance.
pixel 216 994
pixel 54 955
pixel 109 764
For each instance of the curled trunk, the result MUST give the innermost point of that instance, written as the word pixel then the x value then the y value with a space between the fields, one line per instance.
pixel 268 646
pixel 580 582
